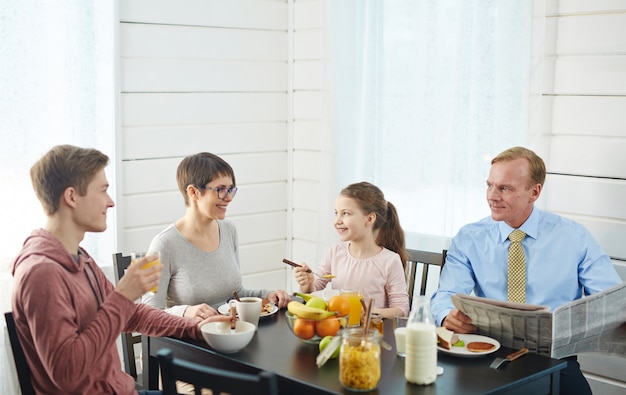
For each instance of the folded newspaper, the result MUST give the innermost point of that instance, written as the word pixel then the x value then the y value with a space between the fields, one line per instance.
pixel 595 323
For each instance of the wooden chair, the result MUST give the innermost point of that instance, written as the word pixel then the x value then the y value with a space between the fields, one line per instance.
pixel 129 340
pixel 217 380
pixel 426 259
pixel 23 371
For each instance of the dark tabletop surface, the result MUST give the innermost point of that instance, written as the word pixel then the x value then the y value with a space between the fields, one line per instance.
pixel 275 348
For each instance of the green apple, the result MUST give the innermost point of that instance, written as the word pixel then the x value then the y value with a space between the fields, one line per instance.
pixel 316 301
pixel 324 342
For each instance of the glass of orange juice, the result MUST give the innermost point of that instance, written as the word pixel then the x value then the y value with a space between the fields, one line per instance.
pixel 354 296
pixel 135 256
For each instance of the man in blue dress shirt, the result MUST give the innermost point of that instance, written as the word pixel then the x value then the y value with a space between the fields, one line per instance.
pixel 563 260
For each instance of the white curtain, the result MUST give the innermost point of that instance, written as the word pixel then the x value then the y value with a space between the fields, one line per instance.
pixel 426 92
pixel 57 78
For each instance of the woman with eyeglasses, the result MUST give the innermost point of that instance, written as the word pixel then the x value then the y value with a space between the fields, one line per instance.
pixel 200 252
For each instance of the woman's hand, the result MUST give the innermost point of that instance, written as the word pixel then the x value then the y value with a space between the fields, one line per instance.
pixel 279 298
pixel 305 280
pixel 201 311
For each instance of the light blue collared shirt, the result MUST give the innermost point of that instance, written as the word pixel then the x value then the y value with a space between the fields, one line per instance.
pixel 562 260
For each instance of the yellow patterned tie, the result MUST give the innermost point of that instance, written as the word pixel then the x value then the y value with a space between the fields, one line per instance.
pixel 517 268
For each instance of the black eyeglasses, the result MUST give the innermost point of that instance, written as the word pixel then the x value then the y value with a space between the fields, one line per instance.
pixel 222 191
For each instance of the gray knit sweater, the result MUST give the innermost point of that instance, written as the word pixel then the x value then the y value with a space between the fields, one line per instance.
pixel 192 276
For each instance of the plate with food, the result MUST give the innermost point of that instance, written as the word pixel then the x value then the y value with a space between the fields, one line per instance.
pixel 266 310
pixel 465 345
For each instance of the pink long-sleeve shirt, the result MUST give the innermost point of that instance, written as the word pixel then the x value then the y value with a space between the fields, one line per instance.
pixel 68 317
pixel 380 277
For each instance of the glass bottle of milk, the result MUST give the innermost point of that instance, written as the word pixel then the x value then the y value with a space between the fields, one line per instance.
pixel 421 344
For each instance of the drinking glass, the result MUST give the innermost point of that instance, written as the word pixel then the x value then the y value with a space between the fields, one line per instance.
pixel 135 256
pixel 354 296
pixel 399 331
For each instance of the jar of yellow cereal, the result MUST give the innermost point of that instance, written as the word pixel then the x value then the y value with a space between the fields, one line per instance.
pixel 359 359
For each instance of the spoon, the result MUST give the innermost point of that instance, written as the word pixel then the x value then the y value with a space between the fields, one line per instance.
pixel 327 276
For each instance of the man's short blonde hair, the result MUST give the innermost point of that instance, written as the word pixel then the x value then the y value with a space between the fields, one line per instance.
pixel 535 164
pixel 62 167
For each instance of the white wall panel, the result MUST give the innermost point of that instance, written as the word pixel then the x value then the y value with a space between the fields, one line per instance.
pixel 189 75
pixel 151 209
pixel 586 196
pixel 305 251
pixel 151 109
pixel 306 195
pixel 259 198
pixel 588 155
pixel 308 75
pixel 603 34
pixel 183 140
pixel 252 14
pixel 306 134
pixel 149 176
pixel 138 239
pixel 304 165
pixel 259 168
pixel 309 106
pixel 261 227
pixel 305 225
pixel 308 14
pixel 193 42
pixel 272 281
pixel 308 44
pixel 262 256
pixel 590 75
pixel 585 115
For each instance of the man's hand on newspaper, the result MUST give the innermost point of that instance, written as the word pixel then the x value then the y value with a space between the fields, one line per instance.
pixel 458 322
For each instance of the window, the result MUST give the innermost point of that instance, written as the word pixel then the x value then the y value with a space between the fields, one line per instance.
pixel 426 93
pixel 57 78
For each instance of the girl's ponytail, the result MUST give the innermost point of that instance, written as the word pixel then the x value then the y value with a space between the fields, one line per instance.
pixel 391 235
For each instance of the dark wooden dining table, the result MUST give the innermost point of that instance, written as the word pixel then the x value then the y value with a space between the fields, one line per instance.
pixel 274 348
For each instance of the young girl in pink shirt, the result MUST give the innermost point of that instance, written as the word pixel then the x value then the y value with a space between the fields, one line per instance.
pixel 371 255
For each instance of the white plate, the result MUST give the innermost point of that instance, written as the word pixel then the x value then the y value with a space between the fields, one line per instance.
pixel 464 352
pixel 225 309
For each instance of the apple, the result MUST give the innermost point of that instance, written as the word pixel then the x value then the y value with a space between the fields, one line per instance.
pixel 324 342
pixel 316 301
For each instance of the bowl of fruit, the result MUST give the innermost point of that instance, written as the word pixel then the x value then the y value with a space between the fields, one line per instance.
pixel 315 318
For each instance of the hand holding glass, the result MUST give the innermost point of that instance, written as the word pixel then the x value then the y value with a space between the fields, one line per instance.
pixel 135 256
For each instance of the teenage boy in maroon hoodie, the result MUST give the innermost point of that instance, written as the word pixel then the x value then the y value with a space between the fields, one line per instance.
pixel 68 315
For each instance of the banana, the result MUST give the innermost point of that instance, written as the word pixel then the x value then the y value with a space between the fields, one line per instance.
pixel 305 297
pixel 307 312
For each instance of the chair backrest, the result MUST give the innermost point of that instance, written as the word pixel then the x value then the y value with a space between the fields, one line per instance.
pixel 120 264
pixel 23 371
pixel 217 380
pixel 426 259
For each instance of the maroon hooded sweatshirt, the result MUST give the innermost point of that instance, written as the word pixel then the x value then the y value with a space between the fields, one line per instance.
pixel 68 317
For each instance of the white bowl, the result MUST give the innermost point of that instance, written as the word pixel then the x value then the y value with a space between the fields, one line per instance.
pixel 220 337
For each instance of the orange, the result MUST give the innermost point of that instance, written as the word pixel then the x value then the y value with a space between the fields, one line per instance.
pixel 304 329
pixel 340 304
pixel 327 327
